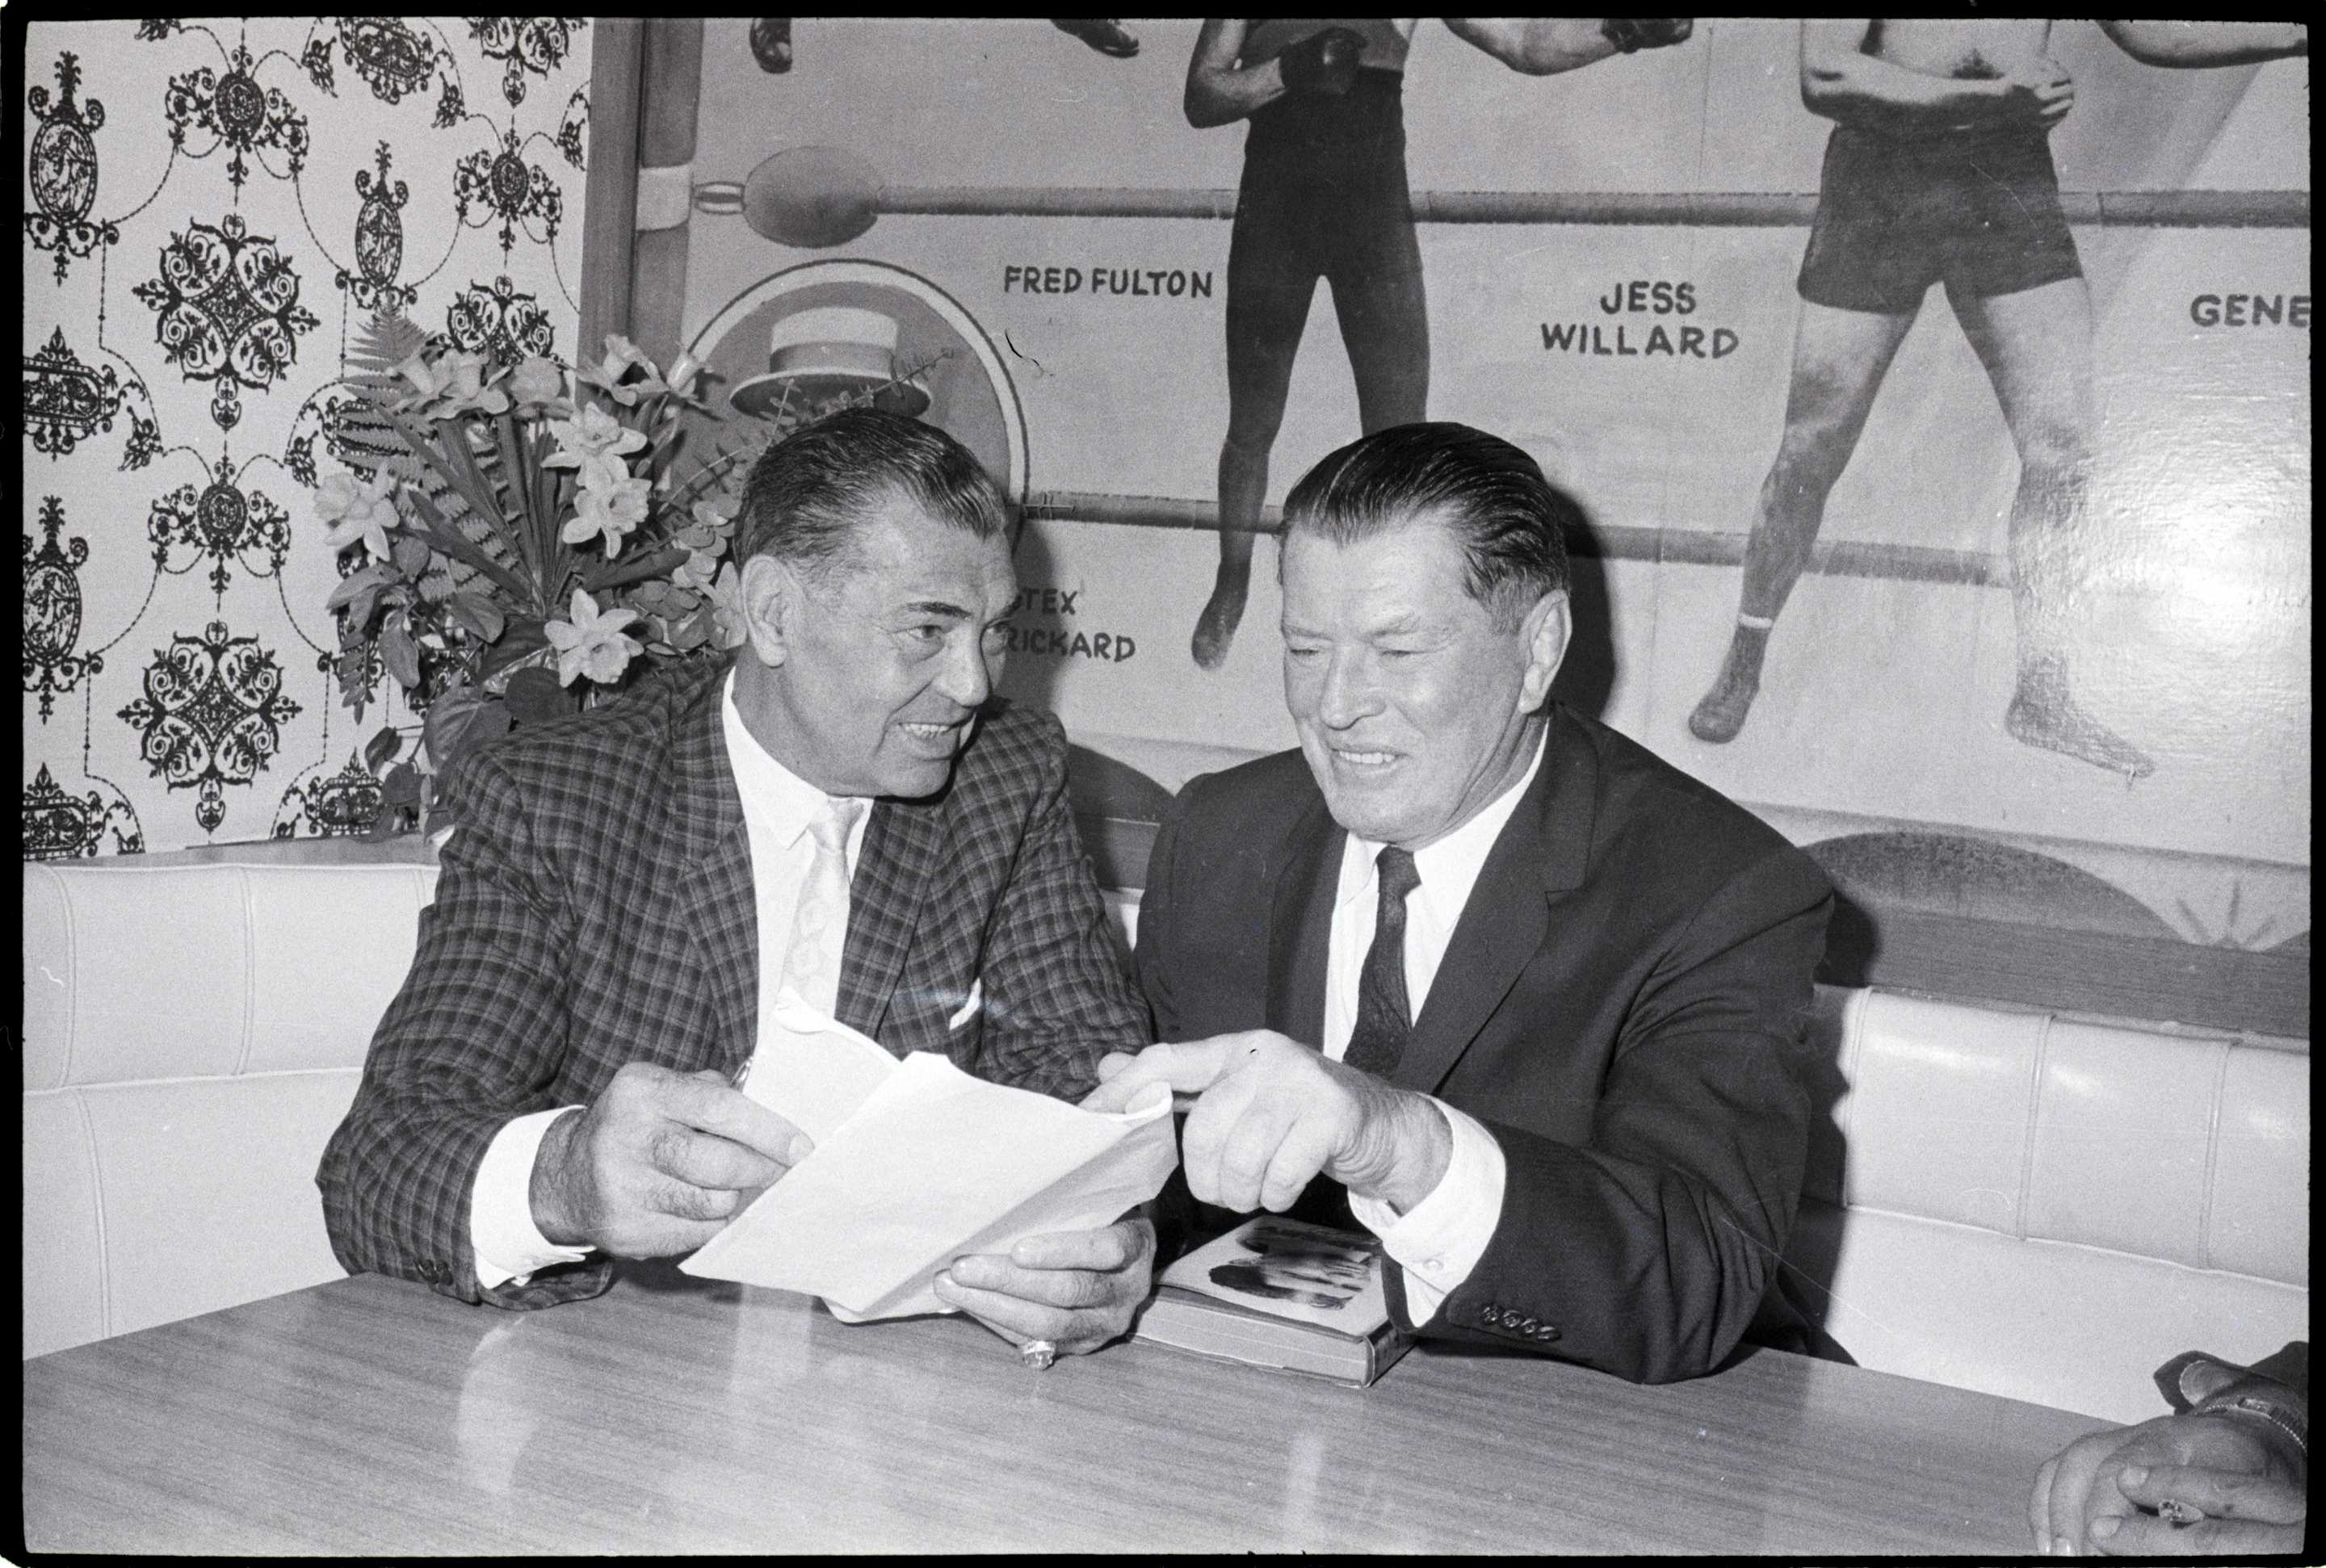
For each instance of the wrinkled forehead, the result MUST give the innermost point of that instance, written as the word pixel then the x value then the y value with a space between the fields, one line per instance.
pixel 902 552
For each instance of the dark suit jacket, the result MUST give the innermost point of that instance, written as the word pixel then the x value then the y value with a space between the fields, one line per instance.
pixel 1618 1005
pixel 596 908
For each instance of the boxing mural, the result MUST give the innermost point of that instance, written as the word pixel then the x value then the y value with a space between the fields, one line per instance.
pixel 2040 548
pixel 1939 170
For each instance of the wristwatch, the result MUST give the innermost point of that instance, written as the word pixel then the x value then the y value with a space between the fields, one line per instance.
pixel 2197 1384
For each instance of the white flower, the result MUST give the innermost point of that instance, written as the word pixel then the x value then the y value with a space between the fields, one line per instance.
pixel 592 643
pixel 602 471
pixel 538 380
pixel 362 509
pixel 606 375
pixel 592 430
pixel 612 512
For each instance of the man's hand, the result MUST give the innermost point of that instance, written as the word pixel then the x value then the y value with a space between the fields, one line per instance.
pixel 658 1162
pixel 1273 1113
pixel 1323 62
pixel 1077 1289
pixel 2040 91
pixel 1633 33
pixel 2087 1500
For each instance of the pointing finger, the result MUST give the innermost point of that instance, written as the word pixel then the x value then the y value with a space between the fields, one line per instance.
pixel 1189 1067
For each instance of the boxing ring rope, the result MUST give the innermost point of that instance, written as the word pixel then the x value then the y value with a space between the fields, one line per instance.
pixel 1678 210
pixel 1601 540
pixel 816 197
pixel 820 197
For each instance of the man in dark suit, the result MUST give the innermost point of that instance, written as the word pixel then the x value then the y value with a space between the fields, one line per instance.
pixel 1555 982
pixel 834 813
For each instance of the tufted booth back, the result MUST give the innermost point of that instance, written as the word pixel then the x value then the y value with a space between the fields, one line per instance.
pixel 2049 1209
pixel 193 1034
pixel 2006 1201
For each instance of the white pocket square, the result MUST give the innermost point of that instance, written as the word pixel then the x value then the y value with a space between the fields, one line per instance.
pixel 969 1010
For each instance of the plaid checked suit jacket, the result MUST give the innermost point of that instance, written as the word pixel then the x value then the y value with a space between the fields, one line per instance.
pixel 596 908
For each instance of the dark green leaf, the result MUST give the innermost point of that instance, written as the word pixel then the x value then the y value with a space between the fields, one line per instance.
pixel 355 582
pixel 382 747
pixel 479 614
pixel 619 573
pixel 411 555
pixel 459 721
pixel 534 696
pixel 401 787
pixel 400 654
pixel 524 637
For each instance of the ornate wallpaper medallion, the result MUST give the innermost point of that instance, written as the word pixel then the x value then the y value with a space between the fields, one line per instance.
pixel 63 168
pixel 393 60
pixel 57 827
pixel 237 111
pixel 228 311
pixel 220 523
pixel 212 715
pixel 495 319
pixel 337 807
pixel 503 184
pixel 65 401
pixel 529 45
pixel 52 610
pixel 379 242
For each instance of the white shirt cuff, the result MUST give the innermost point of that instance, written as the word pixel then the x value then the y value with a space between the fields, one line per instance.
pixel 1440 1240
pixel 501 1232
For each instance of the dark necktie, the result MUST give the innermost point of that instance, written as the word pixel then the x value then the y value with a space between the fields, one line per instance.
pixel 1385 1017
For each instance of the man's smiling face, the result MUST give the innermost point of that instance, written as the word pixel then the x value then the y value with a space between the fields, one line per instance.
pixel 1412 703
pixel 869 677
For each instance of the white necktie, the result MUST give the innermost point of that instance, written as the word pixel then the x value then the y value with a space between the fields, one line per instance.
pixel 819 923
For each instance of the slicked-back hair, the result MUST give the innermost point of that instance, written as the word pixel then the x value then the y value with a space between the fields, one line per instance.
pixel 807 495
pixel 1509 520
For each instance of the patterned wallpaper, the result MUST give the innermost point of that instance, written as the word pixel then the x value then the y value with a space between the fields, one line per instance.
pixel 212 206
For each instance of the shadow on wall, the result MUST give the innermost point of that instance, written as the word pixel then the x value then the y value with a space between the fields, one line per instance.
pixel 1589 676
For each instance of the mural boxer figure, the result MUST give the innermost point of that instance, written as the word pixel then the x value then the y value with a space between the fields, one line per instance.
pixel 1323 195
pixel 1939 170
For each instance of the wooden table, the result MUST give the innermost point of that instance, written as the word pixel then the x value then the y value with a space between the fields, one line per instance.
pixel 677 1415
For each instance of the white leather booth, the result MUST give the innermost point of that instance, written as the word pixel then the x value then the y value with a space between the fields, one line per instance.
pixel 2027 1205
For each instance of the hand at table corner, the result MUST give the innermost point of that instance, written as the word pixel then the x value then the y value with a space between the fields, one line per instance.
pixel 658 1162
pixel 1078 1289
pixel 2084 1501
pixel 1269 1113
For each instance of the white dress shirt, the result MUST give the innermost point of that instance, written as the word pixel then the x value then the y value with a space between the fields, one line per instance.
pixel 1439 1241
pixel 777 807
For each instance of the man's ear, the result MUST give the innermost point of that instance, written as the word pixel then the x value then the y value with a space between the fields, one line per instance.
pixel 771 596
pixel 1546 629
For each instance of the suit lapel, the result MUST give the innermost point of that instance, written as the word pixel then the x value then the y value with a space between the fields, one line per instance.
pixel 1544 849
pixel 903 845
pixel 1301 924
pixel 715 900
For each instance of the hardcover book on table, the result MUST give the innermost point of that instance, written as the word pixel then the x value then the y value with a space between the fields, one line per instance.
pixel 1282 1294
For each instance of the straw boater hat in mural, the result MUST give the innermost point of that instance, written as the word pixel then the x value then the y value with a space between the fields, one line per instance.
pixel 830 351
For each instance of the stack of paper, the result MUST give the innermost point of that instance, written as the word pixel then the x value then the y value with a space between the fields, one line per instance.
pixel 917 1164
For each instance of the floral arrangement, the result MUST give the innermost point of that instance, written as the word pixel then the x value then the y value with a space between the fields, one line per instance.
pixel 513 547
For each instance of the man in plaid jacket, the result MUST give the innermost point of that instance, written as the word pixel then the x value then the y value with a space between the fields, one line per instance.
pixel 553 1086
